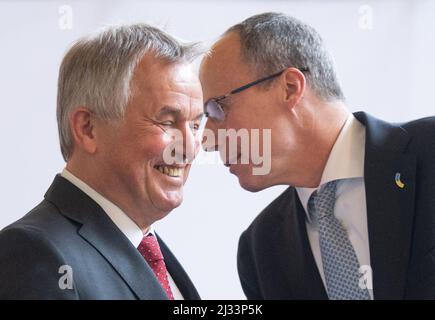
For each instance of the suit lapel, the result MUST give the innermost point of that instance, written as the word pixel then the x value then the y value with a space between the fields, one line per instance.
pixel 100 232
pixel 390 208
pixel 298 267
pixel 177 273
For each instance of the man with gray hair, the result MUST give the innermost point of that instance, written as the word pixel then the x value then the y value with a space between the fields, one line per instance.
pixel 357 221
pixel 123 94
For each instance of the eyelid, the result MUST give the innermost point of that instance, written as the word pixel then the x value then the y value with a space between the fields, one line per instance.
pixel 165 123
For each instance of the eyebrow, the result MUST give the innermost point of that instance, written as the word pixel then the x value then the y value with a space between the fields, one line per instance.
pixel 199 116
pixel 168 110
pixel 175 112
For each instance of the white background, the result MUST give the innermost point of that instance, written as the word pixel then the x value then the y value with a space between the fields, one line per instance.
pixel 384 53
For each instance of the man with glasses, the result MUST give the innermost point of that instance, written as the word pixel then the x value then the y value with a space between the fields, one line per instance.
pixel 358 219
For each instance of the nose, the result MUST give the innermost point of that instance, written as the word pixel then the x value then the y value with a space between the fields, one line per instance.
pixel 191 145
pixel 210 136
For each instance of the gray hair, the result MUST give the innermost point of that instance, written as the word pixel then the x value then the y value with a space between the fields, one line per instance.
pixel 271 42
pixel 96 72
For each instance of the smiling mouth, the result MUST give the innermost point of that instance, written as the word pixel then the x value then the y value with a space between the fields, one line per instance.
pixel 170 171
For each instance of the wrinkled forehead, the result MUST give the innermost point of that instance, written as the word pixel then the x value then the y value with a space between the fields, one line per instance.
pixel 153 73
pixel 156 83
pixel 224 67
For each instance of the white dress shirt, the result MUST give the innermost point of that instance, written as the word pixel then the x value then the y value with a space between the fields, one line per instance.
pixel 120 219
pixel 345 162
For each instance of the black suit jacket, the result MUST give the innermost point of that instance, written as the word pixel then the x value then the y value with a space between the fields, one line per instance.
pixel 275 259
pixel 69 228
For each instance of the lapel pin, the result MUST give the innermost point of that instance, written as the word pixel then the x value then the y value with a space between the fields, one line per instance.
pixel 399 183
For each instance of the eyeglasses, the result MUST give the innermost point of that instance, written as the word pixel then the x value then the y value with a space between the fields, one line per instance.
pixel 214 110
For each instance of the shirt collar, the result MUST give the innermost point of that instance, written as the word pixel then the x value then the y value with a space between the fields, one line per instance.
pixel 127 226
pixel 346 160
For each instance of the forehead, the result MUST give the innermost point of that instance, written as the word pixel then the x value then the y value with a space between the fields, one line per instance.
pixel 223 69
pixel 157 79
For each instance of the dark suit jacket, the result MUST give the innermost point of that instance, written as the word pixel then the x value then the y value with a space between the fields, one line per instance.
pixel 275 259
pixel 69 228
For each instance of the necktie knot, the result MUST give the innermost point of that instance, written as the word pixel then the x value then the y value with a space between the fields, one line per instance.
pixel 149 248
pixel 321 203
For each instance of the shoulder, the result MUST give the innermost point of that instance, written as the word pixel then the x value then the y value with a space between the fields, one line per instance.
pixel 45 220
pixel 30 264
pixel 422 138
pixel 30 258
pixel 419 126
pixel 414 137
pixel 31 236
pixel 421 129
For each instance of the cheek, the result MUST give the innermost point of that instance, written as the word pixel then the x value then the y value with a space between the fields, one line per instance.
pixel 197 146
pixel 186 173
pixel 135 154
pixel 248 119
pixel 238 121
pixel 155 145
pixel 165 138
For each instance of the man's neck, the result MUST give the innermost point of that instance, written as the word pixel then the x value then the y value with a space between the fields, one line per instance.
pixel 81 174
pixel 329 123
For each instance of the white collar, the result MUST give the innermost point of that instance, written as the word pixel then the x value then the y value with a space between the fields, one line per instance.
pixel 346 160
pixel 127 226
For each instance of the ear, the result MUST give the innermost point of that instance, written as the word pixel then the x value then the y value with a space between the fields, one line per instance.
pixel 294 86
pixel 82 126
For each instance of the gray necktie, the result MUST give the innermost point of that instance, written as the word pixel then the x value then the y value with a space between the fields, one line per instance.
pixel 340 263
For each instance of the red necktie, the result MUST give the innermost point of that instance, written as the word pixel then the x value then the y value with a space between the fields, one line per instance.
pixel 149 248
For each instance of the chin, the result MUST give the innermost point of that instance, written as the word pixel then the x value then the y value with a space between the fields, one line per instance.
pixel 252 184
pixel 169 201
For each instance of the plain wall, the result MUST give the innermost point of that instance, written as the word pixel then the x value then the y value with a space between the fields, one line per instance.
pixel 383 52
